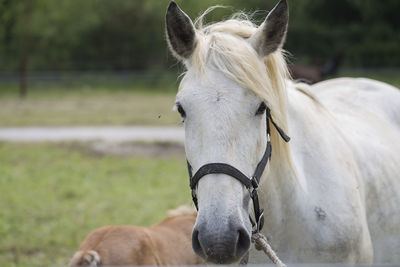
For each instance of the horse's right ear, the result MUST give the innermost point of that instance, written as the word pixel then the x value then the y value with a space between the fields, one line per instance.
pixel 181 34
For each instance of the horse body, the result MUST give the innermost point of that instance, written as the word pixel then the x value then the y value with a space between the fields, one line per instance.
pixel 331 194
pixel 165 243
pixel 368 113
pixel 342 206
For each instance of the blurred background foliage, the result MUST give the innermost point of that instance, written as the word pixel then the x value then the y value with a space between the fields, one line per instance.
pixel 76 35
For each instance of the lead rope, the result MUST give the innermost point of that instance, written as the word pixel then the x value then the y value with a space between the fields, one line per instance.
pixel 261 243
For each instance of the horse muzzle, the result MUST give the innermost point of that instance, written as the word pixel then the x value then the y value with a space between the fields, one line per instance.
pixel 221 246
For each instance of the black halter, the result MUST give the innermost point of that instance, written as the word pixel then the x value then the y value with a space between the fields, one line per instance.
pixel 250 183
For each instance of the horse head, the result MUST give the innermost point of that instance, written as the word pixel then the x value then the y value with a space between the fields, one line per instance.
pixel 234 71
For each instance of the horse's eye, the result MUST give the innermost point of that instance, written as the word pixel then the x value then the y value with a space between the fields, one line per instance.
pixel 181 110
pixel 261 109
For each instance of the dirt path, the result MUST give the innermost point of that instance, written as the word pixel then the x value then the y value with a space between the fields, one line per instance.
pixel 88 133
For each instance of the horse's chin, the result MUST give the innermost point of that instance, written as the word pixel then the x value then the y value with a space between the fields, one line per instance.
pixel 242 261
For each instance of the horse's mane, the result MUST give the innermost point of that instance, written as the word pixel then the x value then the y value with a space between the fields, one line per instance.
pixel 223 46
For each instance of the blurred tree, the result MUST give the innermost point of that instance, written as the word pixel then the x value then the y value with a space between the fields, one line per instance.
pixel 16 37
pixel 367 32
pixel 42 35
pixel 25 45
pixel 36 34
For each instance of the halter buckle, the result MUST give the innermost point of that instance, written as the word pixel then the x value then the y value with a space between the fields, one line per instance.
pixel 254 182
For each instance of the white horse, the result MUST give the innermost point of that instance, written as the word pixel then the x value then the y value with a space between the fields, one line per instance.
pixel 330 195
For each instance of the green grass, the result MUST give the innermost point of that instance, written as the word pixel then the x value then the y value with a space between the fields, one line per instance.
pixel 52 196
pixel 81 106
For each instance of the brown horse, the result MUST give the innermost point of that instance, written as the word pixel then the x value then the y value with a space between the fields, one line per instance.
pixel 165 243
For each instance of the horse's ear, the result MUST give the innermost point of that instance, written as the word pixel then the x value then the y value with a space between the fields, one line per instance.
pixel 272 32
pixel 181 34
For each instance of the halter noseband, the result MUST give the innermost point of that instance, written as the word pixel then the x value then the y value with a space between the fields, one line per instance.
pixel 250 183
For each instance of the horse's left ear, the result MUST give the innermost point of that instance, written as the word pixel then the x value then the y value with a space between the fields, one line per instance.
pixel 272 32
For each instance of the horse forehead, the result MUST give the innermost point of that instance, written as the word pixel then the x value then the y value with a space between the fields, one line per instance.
pixel 213 89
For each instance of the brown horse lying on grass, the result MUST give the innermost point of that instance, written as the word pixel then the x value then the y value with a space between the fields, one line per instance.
pixel 165 243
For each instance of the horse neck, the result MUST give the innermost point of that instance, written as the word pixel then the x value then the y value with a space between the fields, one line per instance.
pixel 279 185
pixel 283 190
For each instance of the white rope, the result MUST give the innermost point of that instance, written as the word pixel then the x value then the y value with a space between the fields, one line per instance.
pixel 261 243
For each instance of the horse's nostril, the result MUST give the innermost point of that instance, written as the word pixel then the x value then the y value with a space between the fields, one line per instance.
pixel 243 243
pixel 196 243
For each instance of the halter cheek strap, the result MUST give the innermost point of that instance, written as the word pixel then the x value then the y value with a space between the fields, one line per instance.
pixel 250 183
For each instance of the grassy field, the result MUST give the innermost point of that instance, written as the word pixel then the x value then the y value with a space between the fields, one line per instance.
pixel 108 103
pixel 55 105
pixel 52 196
